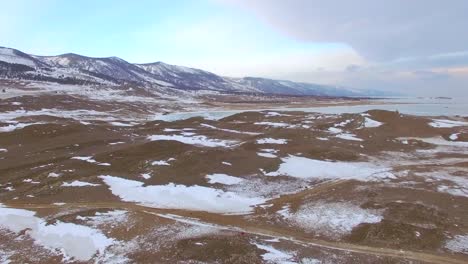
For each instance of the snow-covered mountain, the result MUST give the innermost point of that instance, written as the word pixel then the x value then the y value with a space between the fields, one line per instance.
pixel 189 78
pixel 77 69
pixel 13 56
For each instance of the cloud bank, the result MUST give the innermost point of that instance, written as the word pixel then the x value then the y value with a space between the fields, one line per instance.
pixel 379 30
pixel 417 46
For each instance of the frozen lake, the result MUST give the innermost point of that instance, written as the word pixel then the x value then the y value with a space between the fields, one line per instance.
pixel 411 106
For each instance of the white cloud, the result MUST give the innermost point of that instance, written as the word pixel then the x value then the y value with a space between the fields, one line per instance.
pixel 416 47
pixel 376 29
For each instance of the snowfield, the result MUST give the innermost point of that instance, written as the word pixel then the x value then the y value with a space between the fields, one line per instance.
pixel 458 244
pixel 349 136
pixel 195 140
pixel 332 219
pixel 74 242
pixel 439 141
pixel 197 198
pixel 370 123
pixel 223 179
pixel 273 255
pixel 441 123
pixel 78 184
pixel 15 126
pixel 267 155
pixel 304 168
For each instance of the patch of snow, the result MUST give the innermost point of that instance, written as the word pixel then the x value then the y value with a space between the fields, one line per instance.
pixel 349 136
pixel 439 141
pixel 13 127
pixel 75 242
pixel 331 219
pixel 272 141
pixel 78 184
pixel 226 163
pixel 452 190
pixel 272 124
pixel 269 150
pixel 454 136
pixel 120 124
pixel 304 168
pixel 344 123
pixel 231 130
pixel 458 185
pixel 334 130
pixel 441 123
pixel 5 256
pixel 3 150
pixel 54 175
pixel 146 176
pixel 30 181
pixel 272 114
pixel 310 261
pixel 160 163
pixel 267 155
pixel 90 160
pixel 180 196
pixel 187 134
pixel 116 143
pixel 171 130
pixel 112 217
pixel 369 123
pixel 275 256
pixel 458 244
pixel 196 228
pixel 74 114
pixel 223 179
pixel 195 140
pixel 272 240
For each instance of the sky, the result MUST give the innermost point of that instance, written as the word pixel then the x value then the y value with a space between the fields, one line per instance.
pixel 417 47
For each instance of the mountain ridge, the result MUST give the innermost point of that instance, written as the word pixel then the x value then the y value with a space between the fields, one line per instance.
pixel 74 68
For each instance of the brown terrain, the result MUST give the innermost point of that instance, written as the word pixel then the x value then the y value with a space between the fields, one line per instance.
pixel 258 186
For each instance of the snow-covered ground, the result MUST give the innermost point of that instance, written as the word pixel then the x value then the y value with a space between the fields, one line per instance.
pixel 181 197
pixel 272 141
pixel 458 244
pixel 74 242
pixel 78 184
pixel 198 140
pixel 332 219
pixel 223 179
pixel 273 255
pixel 442 123
pixel 306 168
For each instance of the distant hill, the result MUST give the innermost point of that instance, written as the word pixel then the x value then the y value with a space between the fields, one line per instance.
pixel 73 68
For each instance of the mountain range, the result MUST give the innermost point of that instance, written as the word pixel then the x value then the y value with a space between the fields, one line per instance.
pixel 73 68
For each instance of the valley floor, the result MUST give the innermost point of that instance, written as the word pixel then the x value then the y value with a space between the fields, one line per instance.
pixel 101 175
